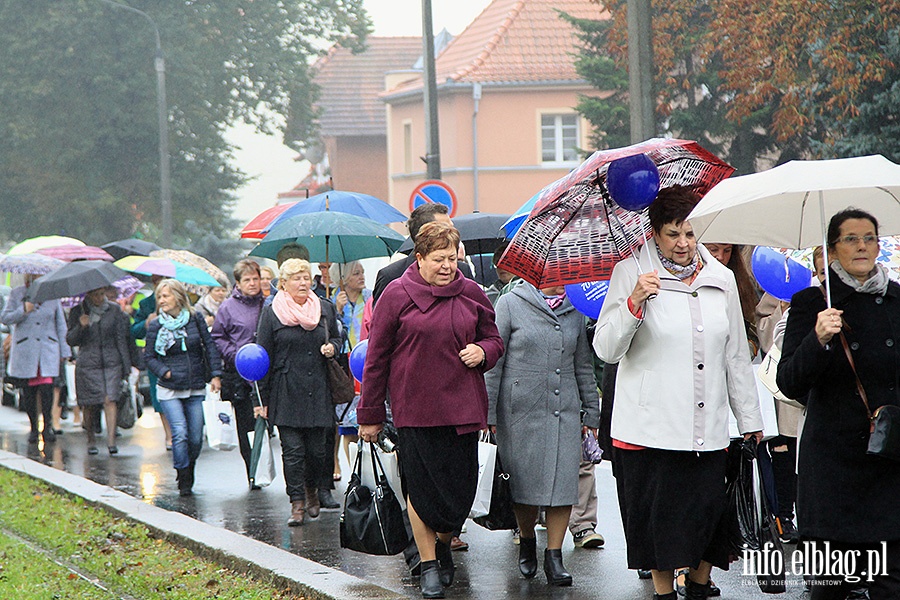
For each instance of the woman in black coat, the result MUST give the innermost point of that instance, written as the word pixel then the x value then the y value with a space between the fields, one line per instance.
pixel 182 354
pixel 844 496
pixel 106 354
pixel 300 333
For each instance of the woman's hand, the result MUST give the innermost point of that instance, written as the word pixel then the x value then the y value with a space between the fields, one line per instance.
pixel 210 320
pixel 215 384
pixel 757 434
pixel 168 375
pixel 261 411
pixel 84 320
pixel 828 324
pixel 340 301
pixel 585 429
pixel 29 307
pixel 369 433
pixel 647 285
pixel 327 350
pixel 472 355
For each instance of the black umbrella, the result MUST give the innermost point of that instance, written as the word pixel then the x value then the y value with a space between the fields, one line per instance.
pixel 480 232
pixel 129 247
pixel 74 279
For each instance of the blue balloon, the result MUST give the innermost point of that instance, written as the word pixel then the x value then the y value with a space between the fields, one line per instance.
pixel 633 182
pixel 358 359
pixel 588 297
pixel 779 275
pixel 252 362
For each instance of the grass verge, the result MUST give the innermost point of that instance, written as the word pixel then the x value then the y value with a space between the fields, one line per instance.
pixel 123 555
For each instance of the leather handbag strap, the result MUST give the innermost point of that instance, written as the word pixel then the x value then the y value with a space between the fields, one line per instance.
pixel 859 385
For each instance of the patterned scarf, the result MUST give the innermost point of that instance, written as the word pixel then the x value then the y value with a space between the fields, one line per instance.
pixel 679 271
pixel 554 302
pixel 171 329
pixel 290 313
pixel 877 283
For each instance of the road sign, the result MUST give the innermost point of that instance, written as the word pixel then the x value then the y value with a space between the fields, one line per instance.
pixel 433 191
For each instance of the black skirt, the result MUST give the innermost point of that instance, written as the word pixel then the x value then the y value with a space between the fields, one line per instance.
pixel 439 474
pixel 672 504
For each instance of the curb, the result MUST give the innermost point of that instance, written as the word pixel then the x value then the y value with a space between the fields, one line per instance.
pixel 239 553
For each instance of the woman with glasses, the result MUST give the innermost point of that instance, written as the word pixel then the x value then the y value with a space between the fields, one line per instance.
pixel 672 320
pixel 846 497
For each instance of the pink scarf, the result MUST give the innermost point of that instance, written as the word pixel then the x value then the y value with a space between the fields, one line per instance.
pixel 290 313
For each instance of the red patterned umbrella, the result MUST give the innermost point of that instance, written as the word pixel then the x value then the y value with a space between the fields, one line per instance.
pixel 256 229
pixel 577 233
pixel 71 252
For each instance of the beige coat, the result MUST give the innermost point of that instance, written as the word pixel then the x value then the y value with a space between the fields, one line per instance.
pixel 683 364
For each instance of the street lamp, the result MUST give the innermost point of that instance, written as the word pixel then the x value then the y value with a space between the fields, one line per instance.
pixel 165 186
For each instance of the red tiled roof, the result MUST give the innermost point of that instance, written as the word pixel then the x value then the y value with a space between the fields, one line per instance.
pixel 515 41
pixel 350 83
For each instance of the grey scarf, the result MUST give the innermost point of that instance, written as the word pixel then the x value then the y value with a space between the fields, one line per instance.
pixel 877 283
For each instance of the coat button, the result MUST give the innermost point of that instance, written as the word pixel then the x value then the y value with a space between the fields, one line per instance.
pixel 700 404
pixel 309 353
pixel 889 343
pixel 555 413
pixel 309 373
pixel 879 300
pixel 556 392
pixel 700 328
pixel 854 346
pixel 700 366
pixel 699 441
pixel 558 371
pixel 556 327
pixel 694 294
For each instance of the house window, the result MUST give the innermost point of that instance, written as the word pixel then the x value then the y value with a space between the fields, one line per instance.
pixel 559 138
pixel 407 148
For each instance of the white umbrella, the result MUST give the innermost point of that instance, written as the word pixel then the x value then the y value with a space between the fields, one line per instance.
pixel 789 206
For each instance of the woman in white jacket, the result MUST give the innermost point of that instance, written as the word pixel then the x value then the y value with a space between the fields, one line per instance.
pixel 672 320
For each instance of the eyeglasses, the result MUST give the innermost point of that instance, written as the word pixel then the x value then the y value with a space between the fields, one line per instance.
pixel 853 240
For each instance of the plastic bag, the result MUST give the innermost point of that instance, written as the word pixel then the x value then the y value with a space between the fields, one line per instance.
pixel 221 428
pixel 487 460
pixel 501 515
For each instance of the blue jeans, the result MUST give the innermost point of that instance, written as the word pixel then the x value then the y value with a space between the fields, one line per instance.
pixel 185 416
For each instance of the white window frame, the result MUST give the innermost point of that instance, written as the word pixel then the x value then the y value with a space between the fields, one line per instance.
pixel 559 150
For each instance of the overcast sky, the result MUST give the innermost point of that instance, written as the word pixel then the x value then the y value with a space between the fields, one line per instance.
pixel 272 163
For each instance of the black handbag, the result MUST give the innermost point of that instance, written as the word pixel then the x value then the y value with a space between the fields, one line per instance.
pixel 884 423
pixel 372 520
pixel 743 531
pixel 126 414
pixel 501 515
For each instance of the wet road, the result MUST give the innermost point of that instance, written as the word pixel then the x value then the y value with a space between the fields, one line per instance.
pixel 488 570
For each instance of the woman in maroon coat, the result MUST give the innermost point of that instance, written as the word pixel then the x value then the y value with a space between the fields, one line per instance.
pixel 432 339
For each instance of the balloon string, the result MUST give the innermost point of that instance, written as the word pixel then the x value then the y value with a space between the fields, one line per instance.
pixel 611 215
pixel 258 396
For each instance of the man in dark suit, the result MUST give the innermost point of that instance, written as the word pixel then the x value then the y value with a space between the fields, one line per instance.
pixel 421 215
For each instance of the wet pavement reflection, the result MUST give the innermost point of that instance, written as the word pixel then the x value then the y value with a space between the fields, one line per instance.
pixel 143 469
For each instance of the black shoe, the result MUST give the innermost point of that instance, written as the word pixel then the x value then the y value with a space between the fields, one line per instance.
pixel 33 437
pixel 445 562
pixel 554 570
pixel 644 574
pixel 860 593
pixel 787 532
pixel 92 450
pixel 184 483
pixel 49 436
pixel 430 580
pixel 694 590
pixel 669 596
pixel 326 499
pixel 113 450
pixel 190 475
pixel 714 590
pixel 528 557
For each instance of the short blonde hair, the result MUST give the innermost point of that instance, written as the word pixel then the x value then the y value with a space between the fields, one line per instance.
pixel 268 270
pixel 178 291
pixel 291 267
pixel 338 271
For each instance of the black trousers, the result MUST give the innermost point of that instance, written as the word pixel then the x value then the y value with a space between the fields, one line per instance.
pixel 784 467
pixel 302 454
pixel 30 400
pixel 326 476
pixel 236 390
pixel 883 587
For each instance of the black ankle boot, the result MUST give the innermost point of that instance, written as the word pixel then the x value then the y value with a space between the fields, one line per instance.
pixel 430 580
pixel 445 562
pixel 528 557
pixel 554 569
pixel 694 590
pixel 190 475
pixel 184 485
pixel 669 596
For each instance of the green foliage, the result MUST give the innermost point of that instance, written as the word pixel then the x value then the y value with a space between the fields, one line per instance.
pixel 122 554
pixel 79 95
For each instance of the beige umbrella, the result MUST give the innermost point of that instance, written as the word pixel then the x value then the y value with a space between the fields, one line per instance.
pixel 186 257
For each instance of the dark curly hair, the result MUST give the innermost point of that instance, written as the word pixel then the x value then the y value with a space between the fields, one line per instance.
pixel 672 205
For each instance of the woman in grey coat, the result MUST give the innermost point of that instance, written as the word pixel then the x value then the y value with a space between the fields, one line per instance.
pixel 38 346
pixel 105 356
pixel 537 394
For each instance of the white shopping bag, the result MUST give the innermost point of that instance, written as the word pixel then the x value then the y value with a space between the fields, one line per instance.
pixel 487 460
pixel 391 469
pixel 221 429
pixel 70 382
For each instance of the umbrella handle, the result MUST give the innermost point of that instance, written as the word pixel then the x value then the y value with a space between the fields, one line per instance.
pixel 258 395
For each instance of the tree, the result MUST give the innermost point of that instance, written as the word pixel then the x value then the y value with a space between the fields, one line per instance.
pixel 78 91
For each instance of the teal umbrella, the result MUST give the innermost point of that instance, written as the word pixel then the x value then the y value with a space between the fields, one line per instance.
pixel 331 236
